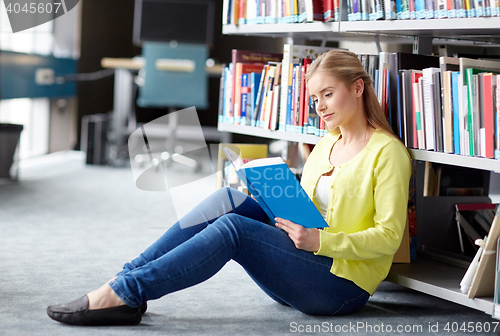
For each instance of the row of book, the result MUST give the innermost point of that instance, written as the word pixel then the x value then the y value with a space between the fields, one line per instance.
pixel 269 91
pixel 443 104
pixel 434 103
pixel 242 12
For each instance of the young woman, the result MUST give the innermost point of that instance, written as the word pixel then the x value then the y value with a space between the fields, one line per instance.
pixel 358 178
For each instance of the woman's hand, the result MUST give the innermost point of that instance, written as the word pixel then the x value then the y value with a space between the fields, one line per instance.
pixel 304 239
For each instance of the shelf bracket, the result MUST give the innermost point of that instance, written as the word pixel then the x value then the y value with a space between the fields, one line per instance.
pixel 422 45
pixel 377 43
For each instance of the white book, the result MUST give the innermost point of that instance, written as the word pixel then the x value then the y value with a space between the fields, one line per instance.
pixel 383 64
pixel 417 92
pixel 465 121
pixel 390 9
pixel 225 9
pixel 430 122
pixel 471 272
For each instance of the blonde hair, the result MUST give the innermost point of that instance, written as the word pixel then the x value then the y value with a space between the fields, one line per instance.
pixel 346 67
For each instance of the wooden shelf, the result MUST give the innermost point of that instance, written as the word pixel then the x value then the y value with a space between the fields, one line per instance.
pixel 437 279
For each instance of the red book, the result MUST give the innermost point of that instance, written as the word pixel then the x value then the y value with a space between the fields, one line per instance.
pixel 302 100
pixel 475 206
pixel 488 115
pixel 414 79
pixel 296 98
pixel 318 10
pixel 498 113
pixel 328 11
pixel 305 99
pixel 242 11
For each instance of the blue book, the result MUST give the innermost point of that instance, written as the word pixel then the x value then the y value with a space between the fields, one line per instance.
pixel 420 9
pixel 376 81
pixel 277 190
pixel 291 106
pixel 254 90
pixel 244 99
pixel 456 115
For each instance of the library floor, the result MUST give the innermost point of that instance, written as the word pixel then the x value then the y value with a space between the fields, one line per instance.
pixel 66 228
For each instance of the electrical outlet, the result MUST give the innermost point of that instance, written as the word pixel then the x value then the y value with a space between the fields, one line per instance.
pixel 44 76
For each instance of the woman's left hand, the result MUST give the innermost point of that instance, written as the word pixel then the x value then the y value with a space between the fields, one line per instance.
pixel 304 239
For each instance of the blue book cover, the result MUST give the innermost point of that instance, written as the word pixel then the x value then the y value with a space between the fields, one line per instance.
pixel 277 190
pixel 254 90
pixel 420 9
pixel 376 80
pixel 244 98
pixel 456 111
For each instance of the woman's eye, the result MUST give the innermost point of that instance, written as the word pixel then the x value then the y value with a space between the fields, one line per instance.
pixel 328 95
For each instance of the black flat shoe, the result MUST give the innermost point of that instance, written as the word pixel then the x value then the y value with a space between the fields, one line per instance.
pixel 77 313
pixel 144 307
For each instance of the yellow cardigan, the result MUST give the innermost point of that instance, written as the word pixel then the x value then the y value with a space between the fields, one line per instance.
pixel 367 207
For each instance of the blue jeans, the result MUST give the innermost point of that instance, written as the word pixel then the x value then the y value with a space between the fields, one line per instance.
pixel 185 257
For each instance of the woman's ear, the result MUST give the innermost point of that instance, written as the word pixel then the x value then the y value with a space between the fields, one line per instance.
pixel 359 86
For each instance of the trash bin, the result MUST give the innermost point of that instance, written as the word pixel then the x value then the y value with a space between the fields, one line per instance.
pixel 9 138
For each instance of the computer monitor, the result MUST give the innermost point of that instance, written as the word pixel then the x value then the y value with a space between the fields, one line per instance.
pixel 184 21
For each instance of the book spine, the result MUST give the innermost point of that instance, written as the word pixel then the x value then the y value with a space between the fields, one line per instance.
pixel 296 101
pixel 497 105
pixel 245 89
pixel 222 92
pixel 390 9
pixel 488 117
pixel 260 96
pixel 429 111
pixel 429 14
pixel 417 111
pixel 456 113
pixel 285 65
pixel 470 109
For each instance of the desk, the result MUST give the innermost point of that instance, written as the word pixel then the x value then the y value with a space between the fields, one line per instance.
pixel 124 123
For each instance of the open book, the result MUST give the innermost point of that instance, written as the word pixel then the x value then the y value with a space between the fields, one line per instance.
pixel 277 190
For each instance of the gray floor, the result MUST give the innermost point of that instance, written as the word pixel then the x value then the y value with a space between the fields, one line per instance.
pixel 65 228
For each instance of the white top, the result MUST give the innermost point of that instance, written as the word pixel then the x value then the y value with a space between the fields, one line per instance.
pixel 322 194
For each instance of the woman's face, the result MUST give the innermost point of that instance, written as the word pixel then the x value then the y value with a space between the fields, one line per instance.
pixel 336 102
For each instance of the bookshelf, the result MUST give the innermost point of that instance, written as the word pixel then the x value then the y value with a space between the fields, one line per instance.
pixel 425 275
pixel 462 31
